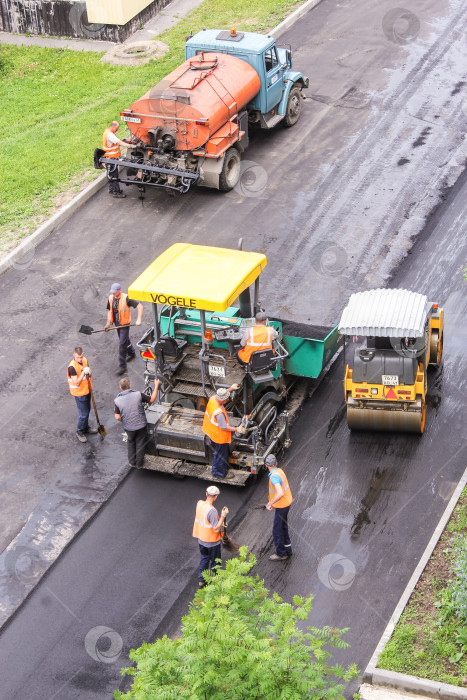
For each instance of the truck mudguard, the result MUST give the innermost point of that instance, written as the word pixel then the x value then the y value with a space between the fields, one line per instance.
pixel 291 78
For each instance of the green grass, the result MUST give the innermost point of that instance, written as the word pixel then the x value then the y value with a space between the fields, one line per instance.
pixel 57 102
pixel 424 639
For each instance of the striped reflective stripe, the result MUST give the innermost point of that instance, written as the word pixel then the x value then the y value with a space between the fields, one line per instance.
pixel 112 151
pixel 204 522
pixel 213 417
pixel 202 528
pixel 272 486
pixel 265 342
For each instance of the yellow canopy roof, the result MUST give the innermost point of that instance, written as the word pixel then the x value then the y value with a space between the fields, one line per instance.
pixel 198 277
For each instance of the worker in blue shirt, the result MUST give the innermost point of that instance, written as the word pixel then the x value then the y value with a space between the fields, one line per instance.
pixel 280 500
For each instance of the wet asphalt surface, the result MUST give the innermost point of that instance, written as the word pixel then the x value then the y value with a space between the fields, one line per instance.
pixel 335 209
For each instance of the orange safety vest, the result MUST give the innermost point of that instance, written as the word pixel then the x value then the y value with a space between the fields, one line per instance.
pixel 202 528
pixel 112 151
pixel 259 338
pixel 124 311
pixel 83 387
pixel 286 499
pixel 210 424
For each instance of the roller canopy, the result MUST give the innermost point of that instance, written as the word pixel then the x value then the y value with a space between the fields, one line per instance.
pixel 198 277
pixel 387 313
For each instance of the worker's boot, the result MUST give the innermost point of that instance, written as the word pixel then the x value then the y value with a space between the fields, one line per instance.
pixel 276 557
pixel 81 437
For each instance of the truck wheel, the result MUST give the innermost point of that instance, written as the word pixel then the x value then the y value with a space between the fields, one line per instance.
pixel 294 107
pixel 230 173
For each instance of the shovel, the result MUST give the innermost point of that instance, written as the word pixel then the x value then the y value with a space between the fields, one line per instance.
pixel 102 430
pixel 228 543
pixel 87 330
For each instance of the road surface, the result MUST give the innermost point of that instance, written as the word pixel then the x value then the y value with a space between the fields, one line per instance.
pixel 335 203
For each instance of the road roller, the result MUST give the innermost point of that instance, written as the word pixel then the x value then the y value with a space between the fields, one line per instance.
pixel 204 299
pixel 385 389
pixel 193 126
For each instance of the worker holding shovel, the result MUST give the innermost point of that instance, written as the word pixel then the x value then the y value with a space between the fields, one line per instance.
pixel 119 313
pixel 79 382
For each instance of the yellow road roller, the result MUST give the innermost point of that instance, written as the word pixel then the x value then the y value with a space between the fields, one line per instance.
pixel 385 389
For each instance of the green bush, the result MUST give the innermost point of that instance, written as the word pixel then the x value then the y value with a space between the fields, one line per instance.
pixel 240 642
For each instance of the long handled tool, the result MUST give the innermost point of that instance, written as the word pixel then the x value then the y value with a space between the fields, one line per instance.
pixel 87 330
pixel 102 430
pixel 228 541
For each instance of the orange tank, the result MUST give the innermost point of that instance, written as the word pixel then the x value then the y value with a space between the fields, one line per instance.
pixel 194 101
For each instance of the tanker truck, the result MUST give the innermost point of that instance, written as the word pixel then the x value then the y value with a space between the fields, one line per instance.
pixel 193 126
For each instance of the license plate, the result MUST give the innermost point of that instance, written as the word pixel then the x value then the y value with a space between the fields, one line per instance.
pixel 390 379
pixel 216 371
pixel 136 120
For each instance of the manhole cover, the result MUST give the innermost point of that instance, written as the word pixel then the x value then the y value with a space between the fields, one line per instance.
pixel 135 53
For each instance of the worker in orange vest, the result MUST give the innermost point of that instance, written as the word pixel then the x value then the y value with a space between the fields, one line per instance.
pixel 208 529
pixel 280 499
pixel 111 145
pixel 79 383
pixel 119 313
pixel 216 427
pixel 256 338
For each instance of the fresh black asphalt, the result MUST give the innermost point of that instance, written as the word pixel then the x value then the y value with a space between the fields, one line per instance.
pixel 337 215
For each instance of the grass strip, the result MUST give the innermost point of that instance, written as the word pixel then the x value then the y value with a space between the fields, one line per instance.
pixel 424 639
pixel 57 102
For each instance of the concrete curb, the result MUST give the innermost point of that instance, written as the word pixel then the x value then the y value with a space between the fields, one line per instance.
pixel 30 243
pixel 377 676
pixel 291 19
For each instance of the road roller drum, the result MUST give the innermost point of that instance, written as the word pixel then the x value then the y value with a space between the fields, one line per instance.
pixel 383 418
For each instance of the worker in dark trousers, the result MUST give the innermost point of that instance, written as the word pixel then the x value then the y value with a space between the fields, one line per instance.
pixel 216 427
pixel 130 411
pixel 208 529
pixel 111 146
pixel 119 313
pixel 79 383
pixel 280 499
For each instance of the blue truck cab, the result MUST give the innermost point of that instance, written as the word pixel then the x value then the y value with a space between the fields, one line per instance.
pixel 281 86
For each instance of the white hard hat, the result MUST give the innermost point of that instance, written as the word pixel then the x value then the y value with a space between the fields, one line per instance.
pixel 222 394
pixel 212 490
